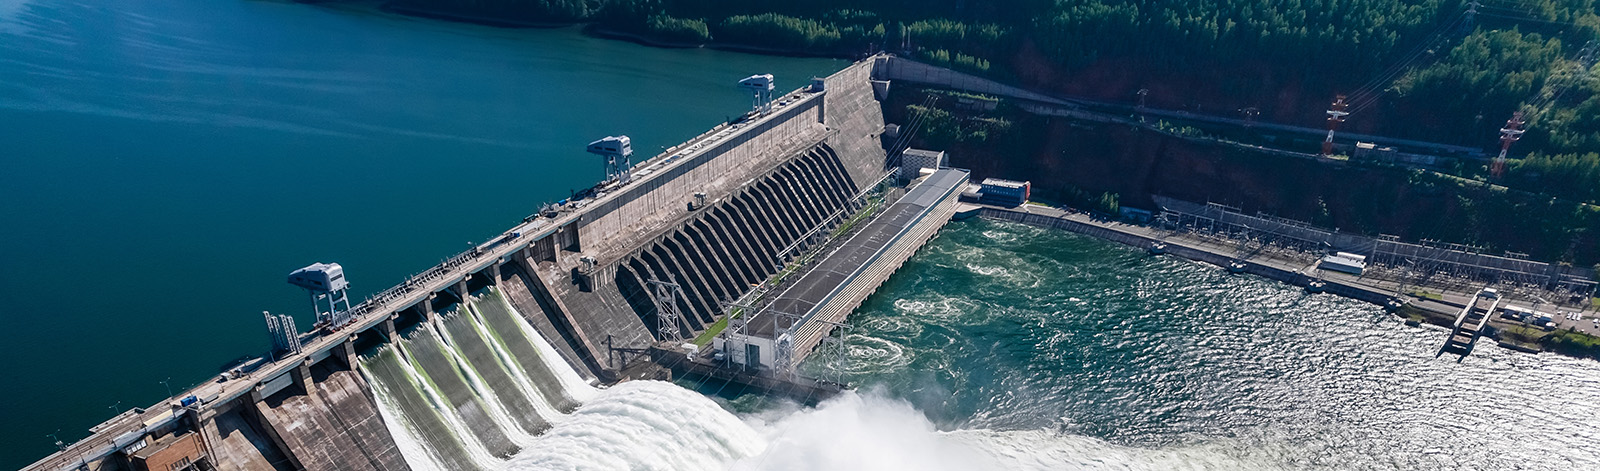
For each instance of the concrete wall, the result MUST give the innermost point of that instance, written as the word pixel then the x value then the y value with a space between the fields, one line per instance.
pixel 238 444
pixel 851 108
pixel 900 68
pixel 335 427
pixel 663 195
pixel 649 230
pixel 740 241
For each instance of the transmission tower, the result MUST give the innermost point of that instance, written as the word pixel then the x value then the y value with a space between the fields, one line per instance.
pixel 1508 134
pixel 1471 13
pixel 841 353
pixel 1336 114
pixel 665 296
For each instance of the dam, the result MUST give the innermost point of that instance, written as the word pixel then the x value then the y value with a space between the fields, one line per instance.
pixel 756 239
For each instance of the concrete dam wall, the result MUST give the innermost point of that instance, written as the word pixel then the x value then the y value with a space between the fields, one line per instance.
pixel 465 364
pixel 768 185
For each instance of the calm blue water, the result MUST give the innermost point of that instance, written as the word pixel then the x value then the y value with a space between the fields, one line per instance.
pixel 164 164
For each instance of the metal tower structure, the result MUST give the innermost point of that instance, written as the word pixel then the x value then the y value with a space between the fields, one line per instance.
pixel 1336 114
pixel 783 344
pixel 841 353
pixel 783 357
pixel 618 153
pixel 285 338
pixel 760 88
pixel 665 296
pixel 329 292
pixel 1508 134
pixel 1471 14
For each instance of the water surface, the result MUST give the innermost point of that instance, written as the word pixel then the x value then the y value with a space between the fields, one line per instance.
pixel 1041 349
pixel 164 164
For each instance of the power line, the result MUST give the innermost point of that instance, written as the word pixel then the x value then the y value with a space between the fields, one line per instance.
pixel 1407 59
pixel 1520 18
pixel 1368 93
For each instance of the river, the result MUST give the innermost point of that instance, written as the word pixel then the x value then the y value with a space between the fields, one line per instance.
pixel 1004 346
pixel 165 164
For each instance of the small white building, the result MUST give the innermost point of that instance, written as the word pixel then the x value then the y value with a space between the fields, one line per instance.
pixel 1344 262
pixel 912 161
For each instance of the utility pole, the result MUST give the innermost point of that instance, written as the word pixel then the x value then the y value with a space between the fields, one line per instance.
pixel 1336 114
pixel 1508 134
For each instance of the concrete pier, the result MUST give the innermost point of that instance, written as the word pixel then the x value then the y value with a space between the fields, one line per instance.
pixel 782 333
pixel 337 427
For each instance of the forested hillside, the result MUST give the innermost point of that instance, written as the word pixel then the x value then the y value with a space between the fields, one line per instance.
pixel 1422 69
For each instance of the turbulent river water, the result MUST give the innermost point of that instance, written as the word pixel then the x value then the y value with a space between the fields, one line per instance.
pixel 1003 346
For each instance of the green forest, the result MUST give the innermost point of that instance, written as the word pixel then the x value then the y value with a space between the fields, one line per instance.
pixel 1421 69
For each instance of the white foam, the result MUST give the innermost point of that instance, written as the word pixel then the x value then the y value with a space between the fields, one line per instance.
pixel 411 447
pixel 643 425
pixel 870 432
pixel 571 384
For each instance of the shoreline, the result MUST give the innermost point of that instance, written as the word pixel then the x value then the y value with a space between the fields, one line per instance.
pixel 446 15
pixel 594 29
pixel 1412 310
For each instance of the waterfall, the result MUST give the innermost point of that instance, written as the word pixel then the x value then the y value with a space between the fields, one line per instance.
pixel 644 425
pixel 480 388
pixel 401 393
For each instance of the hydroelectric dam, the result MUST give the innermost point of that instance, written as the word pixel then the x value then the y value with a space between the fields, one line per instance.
pixel 733 255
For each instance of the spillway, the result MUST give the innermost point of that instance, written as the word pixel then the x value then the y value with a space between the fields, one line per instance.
pixel 486 391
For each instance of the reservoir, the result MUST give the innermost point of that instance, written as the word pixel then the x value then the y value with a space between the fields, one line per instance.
pixel 164 165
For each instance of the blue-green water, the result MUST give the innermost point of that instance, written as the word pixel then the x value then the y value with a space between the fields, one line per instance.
pixel 1040 349
pixel 165 164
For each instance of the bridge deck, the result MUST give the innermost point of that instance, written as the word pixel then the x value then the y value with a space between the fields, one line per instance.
pixel 1470 323
pixel 828 292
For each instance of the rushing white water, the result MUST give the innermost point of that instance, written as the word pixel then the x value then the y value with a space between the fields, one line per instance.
pixel 636 425
pixel 495 405
pixel 411 446
pixel 572 384
pixel 477 452
pixel 643 425
pixel 540 403
pixel 870 432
